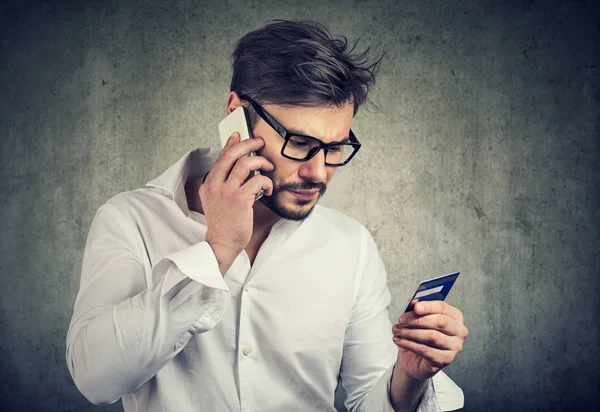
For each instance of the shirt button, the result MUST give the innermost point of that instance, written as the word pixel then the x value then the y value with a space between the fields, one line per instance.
pixel 247 288
pixel 246 351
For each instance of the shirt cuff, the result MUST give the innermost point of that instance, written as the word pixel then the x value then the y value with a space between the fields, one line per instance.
pixel 448 394
pixel 441 394
pixel 197 262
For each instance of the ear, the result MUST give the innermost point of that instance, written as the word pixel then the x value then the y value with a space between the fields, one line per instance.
pixel 233 102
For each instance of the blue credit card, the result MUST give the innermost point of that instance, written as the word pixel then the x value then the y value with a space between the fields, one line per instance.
pixel 433 289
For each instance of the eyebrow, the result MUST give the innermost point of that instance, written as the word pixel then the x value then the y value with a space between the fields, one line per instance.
pixel 293 130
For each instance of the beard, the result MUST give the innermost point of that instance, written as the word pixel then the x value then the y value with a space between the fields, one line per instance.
pixel 298 210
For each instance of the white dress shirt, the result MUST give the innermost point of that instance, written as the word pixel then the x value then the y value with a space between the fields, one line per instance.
pixel 156 324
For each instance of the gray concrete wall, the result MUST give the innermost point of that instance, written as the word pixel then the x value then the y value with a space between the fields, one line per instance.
pixel 483 158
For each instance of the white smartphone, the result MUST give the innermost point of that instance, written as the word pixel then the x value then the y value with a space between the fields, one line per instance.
pixel 237 121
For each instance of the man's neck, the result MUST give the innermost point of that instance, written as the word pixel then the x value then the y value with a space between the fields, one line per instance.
pixel 264 217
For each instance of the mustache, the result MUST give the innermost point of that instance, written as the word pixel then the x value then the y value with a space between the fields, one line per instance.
pixel 322 187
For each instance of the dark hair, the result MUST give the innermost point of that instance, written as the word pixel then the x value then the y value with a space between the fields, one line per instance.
pixel 299 63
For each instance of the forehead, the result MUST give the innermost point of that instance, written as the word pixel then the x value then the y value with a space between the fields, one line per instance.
pixel 328 123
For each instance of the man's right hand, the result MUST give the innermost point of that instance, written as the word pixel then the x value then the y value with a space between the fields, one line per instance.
pixel 228 195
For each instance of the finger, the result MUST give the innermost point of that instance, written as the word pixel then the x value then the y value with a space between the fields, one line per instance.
pixel 243 148
pixel 246 165
pixel 258 183
pixel 218 167
pixel 439 322
pixel 432 338
pixel 437 306
pixel 231 153
pixel 435 357
pixel 233 139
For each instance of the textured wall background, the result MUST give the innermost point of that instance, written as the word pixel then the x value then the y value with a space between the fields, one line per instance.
pixel 484 158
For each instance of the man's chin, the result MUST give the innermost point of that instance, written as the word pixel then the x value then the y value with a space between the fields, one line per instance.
pixel 286 206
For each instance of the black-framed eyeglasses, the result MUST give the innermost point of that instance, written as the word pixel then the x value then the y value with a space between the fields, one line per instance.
pixel 302 148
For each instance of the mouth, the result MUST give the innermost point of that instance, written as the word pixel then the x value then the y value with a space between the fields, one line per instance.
pixel 305 194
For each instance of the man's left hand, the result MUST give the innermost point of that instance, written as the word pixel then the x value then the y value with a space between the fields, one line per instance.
pixel 429 338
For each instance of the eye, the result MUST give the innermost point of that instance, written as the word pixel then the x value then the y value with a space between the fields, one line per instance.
pixel 298 143
pixel 336 149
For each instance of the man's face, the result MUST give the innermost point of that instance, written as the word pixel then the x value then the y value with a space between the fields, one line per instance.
pixel 297 186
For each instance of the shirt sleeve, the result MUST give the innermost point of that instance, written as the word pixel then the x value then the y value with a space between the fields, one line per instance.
pixel 130 320
pixel 369 353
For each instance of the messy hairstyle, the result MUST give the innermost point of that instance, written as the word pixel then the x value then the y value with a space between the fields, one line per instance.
pixel 299 63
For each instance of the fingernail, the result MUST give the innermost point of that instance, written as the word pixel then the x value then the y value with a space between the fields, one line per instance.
pixel 420 307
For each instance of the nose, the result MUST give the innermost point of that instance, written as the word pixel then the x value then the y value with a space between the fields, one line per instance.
pixel 314 169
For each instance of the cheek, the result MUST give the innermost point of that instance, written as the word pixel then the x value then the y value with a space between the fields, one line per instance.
pixel 285 172
pixel 281 172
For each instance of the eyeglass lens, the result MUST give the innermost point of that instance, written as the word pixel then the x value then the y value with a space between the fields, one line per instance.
pixel 300 147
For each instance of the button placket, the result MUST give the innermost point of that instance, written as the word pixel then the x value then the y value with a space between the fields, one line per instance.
pixel 246 350
pixel 245 342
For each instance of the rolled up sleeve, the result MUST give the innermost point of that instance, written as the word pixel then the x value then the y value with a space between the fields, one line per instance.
pixel 129 320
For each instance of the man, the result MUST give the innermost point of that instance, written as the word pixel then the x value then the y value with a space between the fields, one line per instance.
pixel 194 297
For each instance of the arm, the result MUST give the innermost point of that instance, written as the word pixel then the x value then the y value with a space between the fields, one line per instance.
pixel 127 322
pixel 371 374
pixel 428 338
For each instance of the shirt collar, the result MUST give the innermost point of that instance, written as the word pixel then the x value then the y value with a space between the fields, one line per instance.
pixel 194 164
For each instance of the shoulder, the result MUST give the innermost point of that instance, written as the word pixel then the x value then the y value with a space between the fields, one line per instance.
pixel 135 203
pixel 135 217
